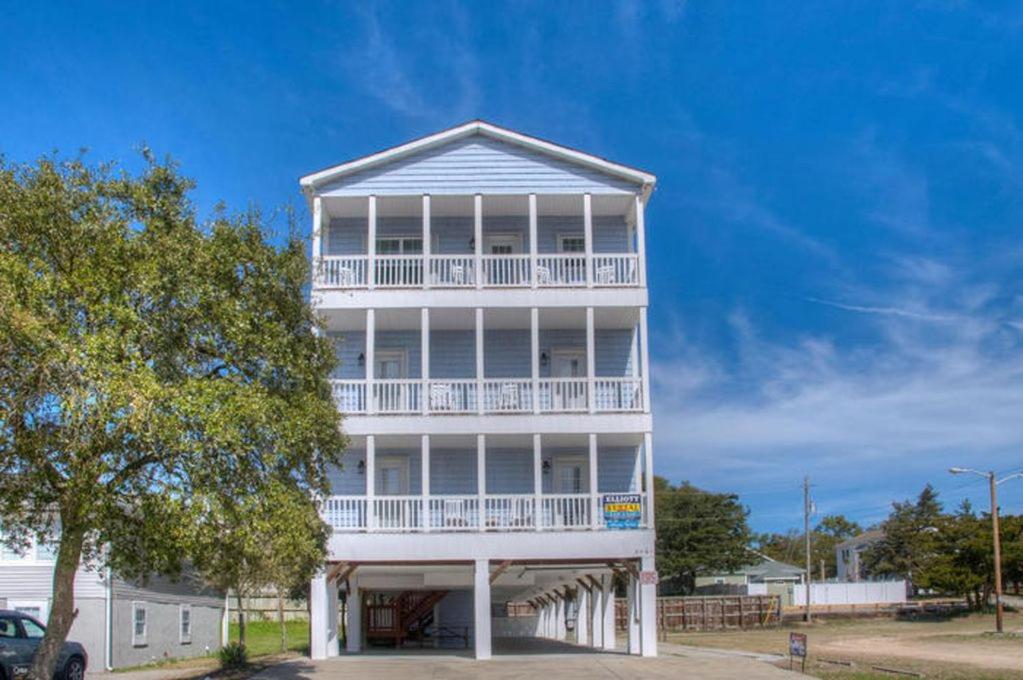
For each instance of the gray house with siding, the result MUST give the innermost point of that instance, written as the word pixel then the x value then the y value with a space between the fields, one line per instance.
pixel 120 623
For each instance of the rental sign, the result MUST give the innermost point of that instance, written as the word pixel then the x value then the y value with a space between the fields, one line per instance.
pixel 623 510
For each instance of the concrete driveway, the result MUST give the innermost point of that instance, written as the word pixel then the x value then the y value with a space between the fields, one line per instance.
pixel 530 660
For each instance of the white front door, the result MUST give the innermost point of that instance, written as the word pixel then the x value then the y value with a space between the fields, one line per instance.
pixel 393 474
pixel 570 475
pixel 568 394
pixel 390 365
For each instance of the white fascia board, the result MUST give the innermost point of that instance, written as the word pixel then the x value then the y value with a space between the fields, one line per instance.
pixel 311 181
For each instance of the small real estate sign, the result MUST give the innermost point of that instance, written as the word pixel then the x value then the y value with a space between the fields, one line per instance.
pixel 797 648
pixel 623 510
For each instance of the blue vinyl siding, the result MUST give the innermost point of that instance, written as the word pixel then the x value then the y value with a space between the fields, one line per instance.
pixel 509 470
pixel 453 355
pixel 506 353
pixel 452 471
pixel 452 235
pixel 478 164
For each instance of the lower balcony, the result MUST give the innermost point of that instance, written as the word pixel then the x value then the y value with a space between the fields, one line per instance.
pixel 490 396
pixel 497 512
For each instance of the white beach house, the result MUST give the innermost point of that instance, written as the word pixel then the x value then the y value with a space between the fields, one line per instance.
pixel 486 292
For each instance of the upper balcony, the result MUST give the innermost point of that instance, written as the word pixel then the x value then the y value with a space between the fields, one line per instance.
pixel 562 241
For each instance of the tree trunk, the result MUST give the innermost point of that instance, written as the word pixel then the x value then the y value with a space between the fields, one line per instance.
pixel 280 619
pixel 241 618
pixel 62 611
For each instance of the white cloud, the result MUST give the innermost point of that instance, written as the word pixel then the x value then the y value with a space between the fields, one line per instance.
pixel 942 385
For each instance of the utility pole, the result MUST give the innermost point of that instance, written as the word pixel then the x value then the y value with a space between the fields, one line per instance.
pixel 806 537
pixel 998 551
pixel 993 483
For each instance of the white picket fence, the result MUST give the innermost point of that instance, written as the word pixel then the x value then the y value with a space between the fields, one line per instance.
pixel 851 593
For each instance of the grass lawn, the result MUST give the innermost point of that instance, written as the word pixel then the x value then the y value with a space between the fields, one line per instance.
pixel 264 637
pixel 957 647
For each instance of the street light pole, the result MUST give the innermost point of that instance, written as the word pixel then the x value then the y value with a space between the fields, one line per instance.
pixel 993 483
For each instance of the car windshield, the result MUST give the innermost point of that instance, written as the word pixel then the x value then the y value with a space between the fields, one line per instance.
pixel 32 629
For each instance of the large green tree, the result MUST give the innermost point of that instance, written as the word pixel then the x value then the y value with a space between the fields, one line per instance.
pixel 790 547
pixel 911 541
pixel 147 361
pixel 697 531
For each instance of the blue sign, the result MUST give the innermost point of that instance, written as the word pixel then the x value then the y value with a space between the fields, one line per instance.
pixel 623 510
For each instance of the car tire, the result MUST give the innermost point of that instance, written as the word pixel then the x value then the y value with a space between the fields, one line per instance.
pixel 74 669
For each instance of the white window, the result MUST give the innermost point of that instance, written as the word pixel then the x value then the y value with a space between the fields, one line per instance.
pixel 503 244
pixel 185 624
pixel 400 245
pixel 571 243
pixel 38 609
pixel 138 624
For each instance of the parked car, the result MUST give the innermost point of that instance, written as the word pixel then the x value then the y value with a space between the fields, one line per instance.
pixel 20 636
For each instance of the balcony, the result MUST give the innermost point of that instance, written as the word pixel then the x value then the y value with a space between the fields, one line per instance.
pixel 468 513
pixel 499 396
pixel 459 271
pixel 483 242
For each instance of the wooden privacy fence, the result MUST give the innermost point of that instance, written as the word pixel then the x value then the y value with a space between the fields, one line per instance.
pixel 709 613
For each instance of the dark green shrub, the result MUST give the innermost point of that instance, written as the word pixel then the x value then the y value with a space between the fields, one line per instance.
pixel 233 655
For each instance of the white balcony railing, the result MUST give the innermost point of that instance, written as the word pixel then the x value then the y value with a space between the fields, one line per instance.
pixel 618 394
pixel 500 512
pixel 342 272
pixel 506 271
pixel 563 395
pixel 499 395
pixel 459 271
pixel 452 271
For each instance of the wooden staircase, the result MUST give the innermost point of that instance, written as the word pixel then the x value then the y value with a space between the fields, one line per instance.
pixel 396 618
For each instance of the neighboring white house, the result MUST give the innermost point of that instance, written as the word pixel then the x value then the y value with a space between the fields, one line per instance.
pixel 848 552
pixel 120 623
pixel 486 293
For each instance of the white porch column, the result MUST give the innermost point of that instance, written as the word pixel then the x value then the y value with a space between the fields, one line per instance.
pixel 317 245
pixel 537 482
pixel 645 343
pixel 591 362
pixel 481 480
pixel 533 246
pixel 318 632
pixel 333 640
pixel 560 629
pixel 481 608
pixel 371 479
pixel 648 611
pixel 534 344
pixel 632 619
pixel 479 361
pixel 588 237
pixel 427 242
pixel 370 354
pixel 641 239
pixel 596 615
pixel 648 477
pixel 594 485
pixel 608 616
pixel 371 244
pixel 424 483
pixel 582 616
pixel 477 211
pixel 424 350
pixel 353 624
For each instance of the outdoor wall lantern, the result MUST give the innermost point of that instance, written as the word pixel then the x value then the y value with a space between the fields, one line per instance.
pixel 544 358
pixel 472 244
pixel 546 467
pixel 362 467
pixel 362 359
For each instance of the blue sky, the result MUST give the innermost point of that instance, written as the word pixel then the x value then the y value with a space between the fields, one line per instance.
pixel 837 235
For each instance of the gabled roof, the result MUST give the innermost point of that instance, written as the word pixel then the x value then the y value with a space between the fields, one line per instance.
pixel 312 181
pixel 866 538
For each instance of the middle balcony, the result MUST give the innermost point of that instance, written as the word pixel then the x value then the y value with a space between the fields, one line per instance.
pixel 445 361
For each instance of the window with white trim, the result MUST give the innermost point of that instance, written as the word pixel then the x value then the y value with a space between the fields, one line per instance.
pixel 185 624
pixel 571 243
pixel 139 625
